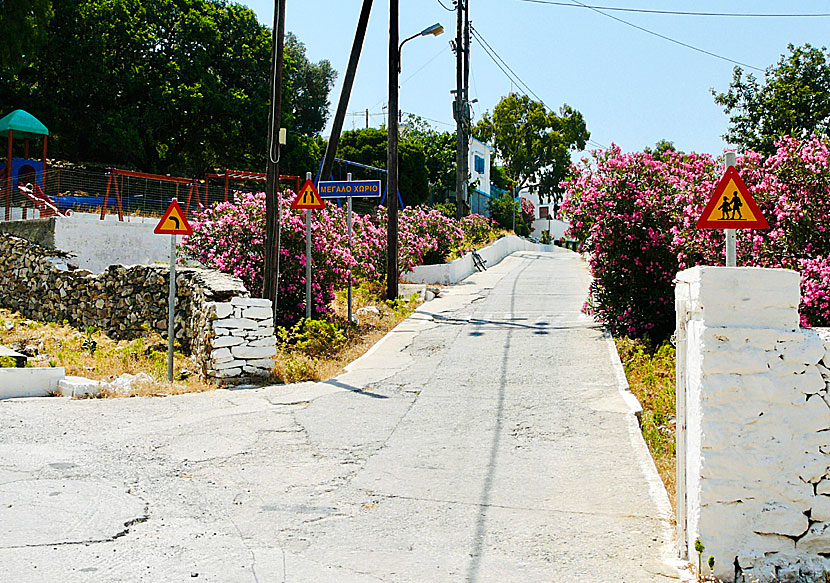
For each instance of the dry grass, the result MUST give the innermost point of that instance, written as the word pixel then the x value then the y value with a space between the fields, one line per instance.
pixel 61 345
pixel 651 376
pixel 53 344
pixel 314 365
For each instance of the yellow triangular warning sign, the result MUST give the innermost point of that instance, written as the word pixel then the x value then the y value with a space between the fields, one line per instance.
pixel 731 206
pixel 173 221
pixel 308 198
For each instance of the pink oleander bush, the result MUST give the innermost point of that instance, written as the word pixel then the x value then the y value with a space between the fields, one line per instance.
pixel 229 236
pixel 477 229
pixel 528 211
pixel 636 216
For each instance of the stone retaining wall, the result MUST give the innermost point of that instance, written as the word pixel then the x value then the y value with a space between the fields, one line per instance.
pixel 757 414
pixel 127 301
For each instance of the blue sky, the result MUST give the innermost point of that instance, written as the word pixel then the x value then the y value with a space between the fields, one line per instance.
pixel 633 88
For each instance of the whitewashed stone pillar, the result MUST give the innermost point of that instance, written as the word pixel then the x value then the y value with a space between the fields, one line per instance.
pixel 757 492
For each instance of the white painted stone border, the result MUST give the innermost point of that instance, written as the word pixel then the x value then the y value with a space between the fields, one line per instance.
pixel 30 381
pixel 461 268
pixel 656 488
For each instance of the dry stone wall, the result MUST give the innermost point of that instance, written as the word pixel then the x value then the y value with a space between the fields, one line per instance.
pixel 757 442
pixel 127 301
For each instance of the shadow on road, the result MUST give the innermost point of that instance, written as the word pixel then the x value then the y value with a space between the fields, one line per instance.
pixel 359 391
pixel 484 502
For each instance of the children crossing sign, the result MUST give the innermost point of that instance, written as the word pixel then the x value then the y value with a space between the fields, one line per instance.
pixel 308 198
pixel 731 206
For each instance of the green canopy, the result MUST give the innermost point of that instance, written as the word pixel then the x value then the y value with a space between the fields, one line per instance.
pixel 23 124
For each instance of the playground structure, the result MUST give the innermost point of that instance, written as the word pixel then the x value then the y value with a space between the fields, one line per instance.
pixel 198 191
pixel 23 182
pixel 23 179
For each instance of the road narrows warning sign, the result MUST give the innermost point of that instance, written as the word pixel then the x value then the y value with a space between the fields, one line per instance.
pixel 731 206
pixel 173 221
pixel 308 198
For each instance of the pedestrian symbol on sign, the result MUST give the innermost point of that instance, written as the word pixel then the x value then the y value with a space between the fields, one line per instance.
pixel 732 206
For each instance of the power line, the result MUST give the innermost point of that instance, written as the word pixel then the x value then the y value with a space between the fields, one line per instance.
pixel 445 8
pixel 424 66
pixel 429 118
pixel 679 12
pixel 495 57
pixel 668 38
pixel 482 40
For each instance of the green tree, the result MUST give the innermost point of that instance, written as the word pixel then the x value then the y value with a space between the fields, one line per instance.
pixel 439 152
pixel 661 149
pixel 534 144
pixel 499 177
pixel 310 84
pixel 793 100
pixel 507 212
pixel 176 86
pixel 368 146
pixel 24 24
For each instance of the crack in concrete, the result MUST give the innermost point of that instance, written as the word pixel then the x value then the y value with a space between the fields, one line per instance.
pixel 127 525
pixel 521 508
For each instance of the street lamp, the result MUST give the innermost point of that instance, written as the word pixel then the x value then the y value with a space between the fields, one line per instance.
pixel 434 30
pixel 392 145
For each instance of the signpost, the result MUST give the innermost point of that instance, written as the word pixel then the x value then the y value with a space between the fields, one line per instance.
pixel 172 223
pixel 308 198
pixel 349 190
pixel 731 207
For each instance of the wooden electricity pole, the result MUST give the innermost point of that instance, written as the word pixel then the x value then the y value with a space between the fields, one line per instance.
pixel 392 157
pixel 346 91
pixel 272 206
pixel 461 108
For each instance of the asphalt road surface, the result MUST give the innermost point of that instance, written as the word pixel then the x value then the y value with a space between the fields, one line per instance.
pixel 486 439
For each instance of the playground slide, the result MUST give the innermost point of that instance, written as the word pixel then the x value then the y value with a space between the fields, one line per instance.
pixel 40 201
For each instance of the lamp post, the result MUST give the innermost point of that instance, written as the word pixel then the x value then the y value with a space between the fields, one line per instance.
pixel 392 145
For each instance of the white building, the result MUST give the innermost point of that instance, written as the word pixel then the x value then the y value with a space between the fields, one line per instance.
pixel 478 162
pixel 543 216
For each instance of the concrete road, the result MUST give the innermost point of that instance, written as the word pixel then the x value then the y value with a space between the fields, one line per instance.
pixel 485 439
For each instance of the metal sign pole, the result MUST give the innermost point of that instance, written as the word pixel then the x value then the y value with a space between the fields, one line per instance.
pixel 308 258
pixel 171 309
pixel 731 240
pixel 349 229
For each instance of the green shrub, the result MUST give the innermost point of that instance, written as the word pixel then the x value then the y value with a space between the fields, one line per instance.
pixel 312 337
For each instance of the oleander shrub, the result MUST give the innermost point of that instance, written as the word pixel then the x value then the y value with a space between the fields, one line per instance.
pixel 635 214
pixel 229 236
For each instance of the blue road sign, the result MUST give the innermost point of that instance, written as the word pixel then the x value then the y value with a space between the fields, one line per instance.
pixel 344 189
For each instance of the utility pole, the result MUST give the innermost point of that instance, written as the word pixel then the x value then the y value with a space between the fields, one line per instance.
pixel 346 91
pixel 465 110
pixel 461 108
pixel 392 156
pixel 272 180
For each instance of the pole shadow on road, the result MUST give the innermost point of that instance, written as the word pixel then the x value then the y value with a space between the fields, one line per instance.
pixel 358 390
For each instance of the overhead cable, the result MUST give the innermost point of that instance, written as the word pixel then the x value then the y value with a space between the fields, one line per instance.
pixel 496 58
pixel 680 12
pixel 668 38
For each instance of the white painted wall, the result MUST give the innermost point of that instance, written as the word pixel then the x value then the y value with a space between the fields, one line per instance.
pixel 29 382
pixel 483 150
pixel 98 244
pixel 455 271
pixel 555 227
pixel 757 414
